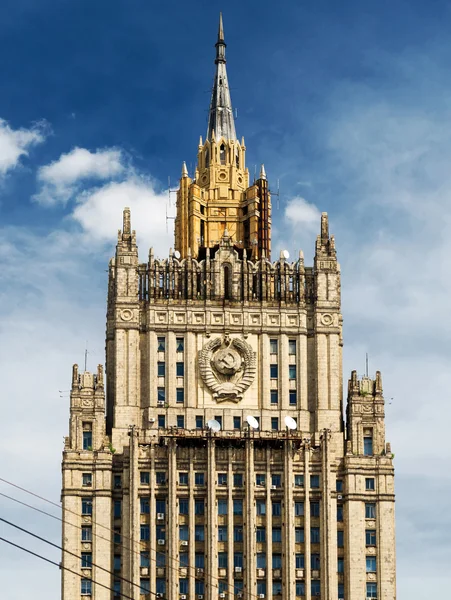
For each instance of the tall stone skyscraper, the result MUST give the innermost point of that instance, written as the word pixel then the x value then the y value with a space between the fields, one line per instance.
pixel 225 466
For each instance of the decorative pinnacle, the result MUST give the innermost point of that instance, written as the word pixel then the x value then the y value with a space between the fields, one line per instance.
pixel 126 226
pixel 220 29
pixel 184 170
pixel 220 44
pixel 262 172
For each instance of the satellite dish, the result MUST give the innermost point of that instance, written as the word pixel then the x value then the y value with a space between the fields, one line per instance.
pixel 285 254
pixel 214 425
pixel 252 422
pixel 290 423
pixel 176 254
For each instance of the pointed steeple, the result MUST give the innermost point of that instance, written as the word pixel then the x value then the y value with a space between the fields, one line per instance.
pixel 220 120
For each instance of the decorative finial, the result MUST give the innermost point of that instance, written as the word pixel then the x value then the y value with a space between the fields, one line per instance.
pixel 184 170
pixel 126 226
pixel 220 29
pixel 262 172
pixel 324 228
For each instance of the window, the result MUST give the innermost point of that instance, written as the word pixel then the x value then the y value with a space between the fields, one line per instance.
pixel 237 534
pixel 238 479
pixel 117 562
pixel 339 512
pixel 300 562
pixel 145 560
pixel 116 588
pixel 275 423
pixel 183 506
pixel 222 507
pixel 161 532
pixel 180 396
pixel 277 588
pixel 299 480
pixel 370 537
pixel 183 560
pixel 276 534
pixel 86 533
pixel 237 422
pixel 160 477
pixel 260 507
pixel 261 560
pixel 276 509
pixel 180 369
pixel 161 421
pixel 86 587
pixel 298 509
pixel 261 587
pixel 145 533
pixel 293 398
pixel 183 533
pixel 368 446
pixel 315 562
pixel 273 371
pixel 199 587
pixel 314 509
pixel 340 565
pixel 292 347
pixel 145 506
pixel 339 485
pixel 291 371
pixel 145 477
pixel 341 591
pixel 238 507
pixel 199 478
pixel 86 506
pixel 161 345
pixel 314 535
pixel 222 478
pixel 369 484
pixel 314 481
pixel 222 533
pixel 161 369
pixel 183 478
pixel 160 506
pixel 179 344
pixel 370 510
pixel 87 439
pixel 218 418
pixel 371 564
pixel 316 587
pixel 180 421
pixel 86 479
pixel 260 479
pixel 117 535
pixel 274 397
pixel 371 590
pixel 276 480
pixel 299 535
pixel 222 560
pixel 86 560
pixel 199 506
pixel 161 586
pixel 273 347
pixel 199 560
pixel 222 154
pixel 199 422
pixel 340 538
pixel 261 534
pixel 238 559
pixel 199 533
pixel 300 588
pixel 183 586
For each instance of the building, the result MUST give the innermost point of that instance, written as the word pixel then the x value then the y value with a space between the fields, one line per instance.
pixel 160 503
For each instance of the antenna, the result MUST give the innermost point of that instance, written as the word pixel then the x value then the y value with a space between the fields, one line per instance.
pixel 252 422
pixel 366 364
pixel 276 194
pixel 290 423
pixel 86 355
pixel 214 425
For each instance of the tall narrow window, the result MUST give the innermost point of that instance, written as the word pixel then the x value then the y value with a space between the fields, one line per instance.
pixel 368 445
pixel 161 344
pixel 207 158
pixel 87 436
pixel 226 283
pixel 179 344
pixel 273 346
pixel 222 154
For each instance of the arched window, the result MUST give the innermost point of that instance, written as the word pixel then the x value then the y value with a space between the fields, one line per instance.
pixel 226 283
pixel 237 158
pixel 222 154
pixel 207 158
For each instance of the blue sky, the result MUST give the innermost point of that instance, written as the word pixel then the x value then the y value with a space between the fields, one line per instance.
pixel 347 104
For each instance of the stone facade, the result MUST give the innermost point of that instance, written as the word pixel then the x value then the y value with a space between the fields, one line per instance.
pixel 155 501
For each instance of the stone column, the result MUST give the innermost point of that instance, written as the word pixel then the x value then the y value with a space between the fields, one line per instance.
pixel 307 544
pixel 211 538
pixel 288 558
pixel 250 582
pixel 173 533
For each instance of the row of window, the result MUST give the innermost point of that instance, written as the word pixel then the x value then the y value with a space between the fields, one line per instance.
pixel 179 344
pixel 179 369
pixel 274 371
pixel 238 480
pixel 274 347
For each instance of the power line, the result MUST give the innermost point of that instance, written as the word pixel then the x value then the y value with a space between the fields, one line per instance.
pixel 60 566
pixel 92 564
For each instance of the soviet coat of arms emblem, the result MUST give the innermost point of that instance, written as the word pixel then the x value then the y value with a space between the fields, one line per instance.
pixel 227 367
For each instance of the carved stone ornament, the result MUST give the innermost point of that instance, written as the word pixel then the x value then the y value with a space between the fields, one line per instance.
pixel 227 367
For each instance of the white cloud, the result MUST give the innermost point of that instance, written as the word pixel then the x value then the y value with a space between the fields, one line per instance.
pixel 61 179
pixel 300 212
pixel 15 143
